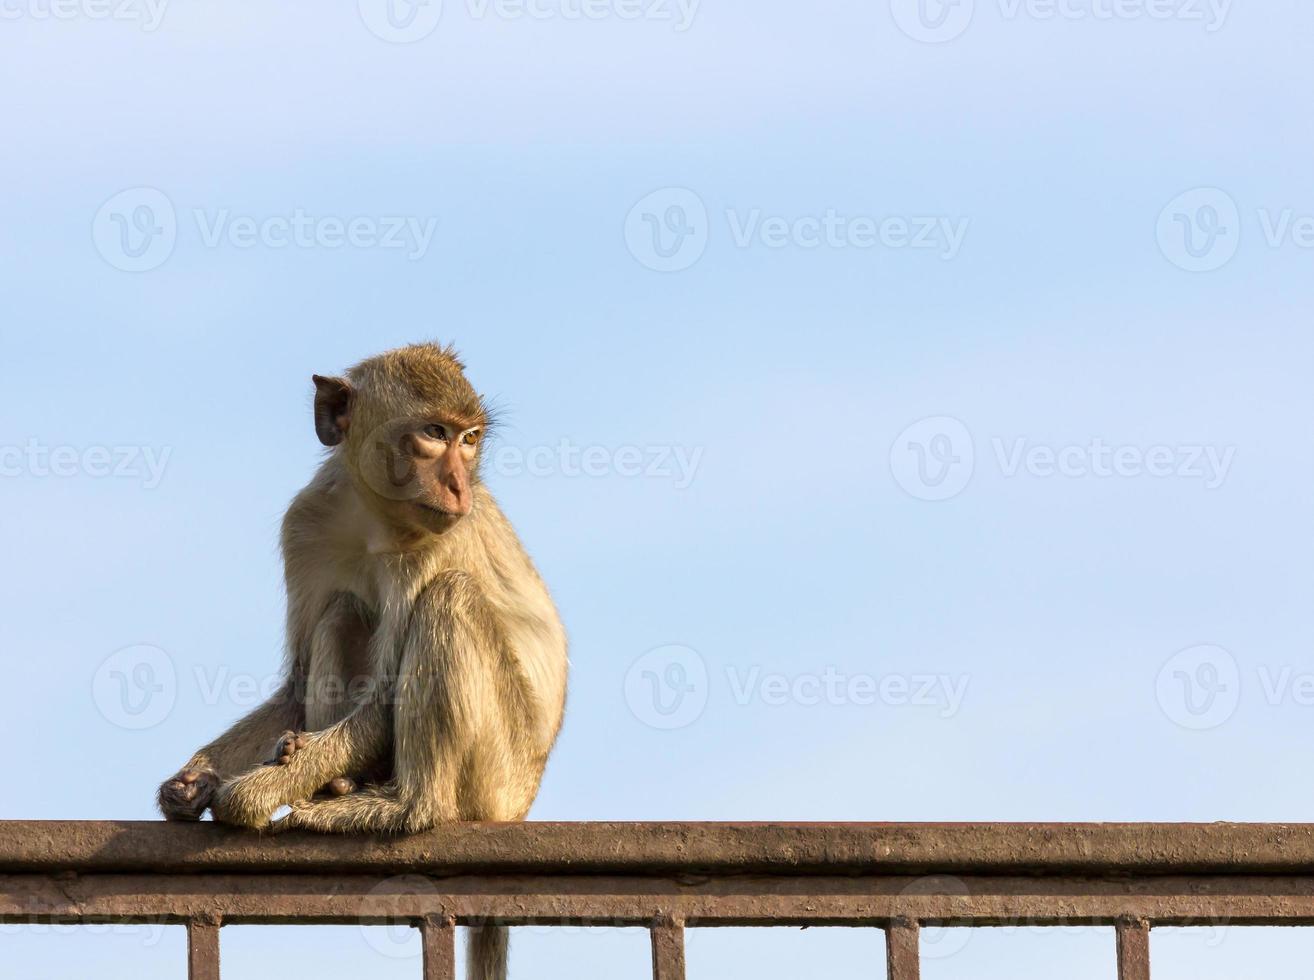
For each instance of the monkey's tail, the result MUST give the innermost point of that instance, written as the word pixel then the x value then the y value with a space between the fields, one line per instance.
pixel 487 953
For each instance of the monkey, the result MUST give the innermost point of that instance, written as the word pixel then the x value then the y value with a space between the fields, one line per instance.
pixel 426 663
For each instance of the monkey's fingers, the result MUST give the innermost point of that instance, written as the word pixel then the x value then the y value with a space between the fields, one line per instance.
pixel 288 745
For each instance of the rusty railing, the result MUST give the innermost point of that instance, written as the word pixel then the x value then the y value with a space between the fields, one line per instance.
pixel 665 877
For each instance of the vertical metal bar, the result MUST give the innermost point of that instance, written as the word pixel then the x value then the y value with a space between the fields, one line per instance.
pixel 202 949
pixel 1133 949
pixel 668 950
pixel 439 938
pixel 903 959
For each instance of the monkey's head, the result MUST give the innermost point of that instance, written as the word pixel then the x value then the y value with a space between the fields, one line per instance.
pixel 409 427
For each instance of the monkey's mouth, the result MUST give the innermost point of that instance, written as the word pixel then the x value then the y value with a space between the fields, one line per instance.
pixel 446 515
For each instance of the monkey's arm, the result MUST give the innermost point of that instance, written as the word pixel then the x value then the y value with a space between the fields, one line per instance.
pixel 247 743
pixel 352 745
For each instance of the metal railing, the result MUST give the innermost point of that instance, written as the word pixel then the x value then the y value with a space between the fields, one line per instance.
pixel 665 877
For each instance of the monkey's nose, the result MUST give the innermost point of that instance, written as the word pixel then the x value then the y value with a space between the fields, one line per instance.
pixel 456 494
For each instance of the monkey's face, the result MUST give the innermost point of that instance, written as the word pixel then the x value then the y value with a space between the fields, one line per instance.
pixel 423 470
pixel 407 425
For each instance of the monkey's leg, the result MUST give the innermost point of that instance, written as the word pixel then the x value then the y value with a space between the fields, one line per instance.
pixel 449 699
pixel 352 745
pixel 453 731
pixel 375 809
pixel 185 795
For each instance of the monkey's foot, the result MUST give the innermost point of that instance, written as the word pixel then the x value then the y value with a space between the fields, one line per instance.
pixel 250 800
pixel 288 745
pixel 186 795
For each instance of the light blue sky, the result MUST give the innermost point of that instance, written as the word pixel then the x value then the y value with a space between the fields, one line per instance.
pixel 1035 611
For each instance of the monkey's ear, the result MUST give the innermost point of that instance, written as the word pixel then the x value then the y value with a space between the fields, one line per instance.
pixel 332 409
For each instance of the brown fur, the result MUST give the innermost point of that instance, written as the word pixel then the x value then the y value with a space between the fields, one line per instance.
pixel 426 661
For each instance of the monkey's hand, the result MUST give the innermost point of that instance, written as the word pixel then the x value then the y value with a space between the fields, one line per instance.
pixel 186 795
pixel 288 745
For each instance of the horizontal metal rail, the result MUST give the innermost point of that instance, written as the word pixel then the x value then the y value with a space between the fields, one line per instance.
pixel 665 877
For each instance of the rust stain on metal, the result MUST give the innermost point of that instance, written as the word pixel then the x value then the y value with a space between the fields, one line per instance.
pixel 438 934
pixel 203 949
pixel 668 950
pixel 903 958
pixel 1133 938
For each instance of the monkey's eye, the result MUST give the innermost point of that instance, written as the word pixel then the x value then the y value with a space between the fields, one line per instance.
pixel 470 438
pixel 436 432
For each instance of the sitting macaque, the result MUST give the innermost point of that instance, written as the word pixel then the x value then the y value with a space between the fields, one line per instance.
pixel 426 663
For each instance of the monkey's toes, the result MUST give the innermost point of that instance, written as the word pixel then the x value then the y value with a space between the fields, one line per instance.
pixel 186 795
pixel 288 745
